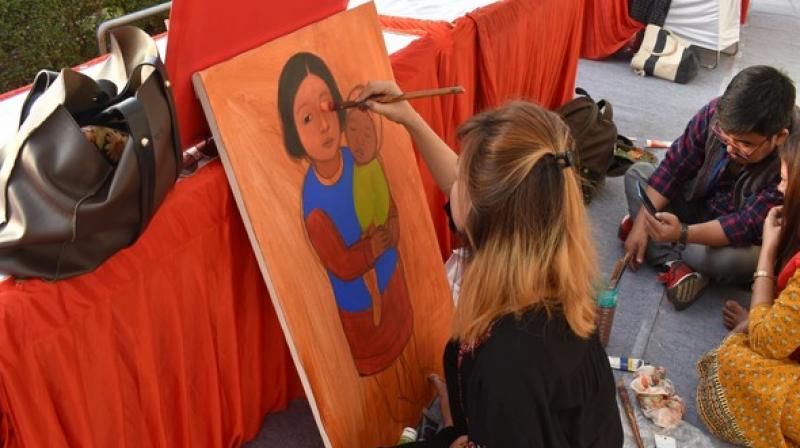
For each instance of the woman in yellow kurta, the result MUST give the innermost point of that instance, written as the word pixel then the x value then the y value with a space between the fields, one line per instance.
pixel 749 387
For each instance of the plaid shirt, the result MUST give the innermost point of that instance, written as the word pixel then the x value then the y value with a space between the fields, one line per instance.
pixel 681 164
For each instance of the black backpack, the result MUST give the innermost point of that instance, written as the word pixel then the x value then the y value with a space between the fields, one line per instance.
pixel 595 134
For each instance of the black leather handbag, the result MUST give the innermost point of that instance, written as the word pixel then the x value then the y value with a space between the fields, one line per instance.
pixel 67 203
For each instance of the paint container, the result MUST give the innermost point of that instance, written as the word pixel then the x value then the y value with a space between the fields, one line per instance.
pixel 606 306
pixel 625 364
pixel 409 435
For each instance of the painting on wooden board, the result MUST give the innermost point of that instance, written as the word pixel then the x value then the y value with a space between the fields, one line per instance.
pixel 335 210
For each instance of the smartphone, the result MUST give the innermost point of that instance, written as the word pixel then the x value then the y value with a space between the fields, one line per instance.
pixel 648 205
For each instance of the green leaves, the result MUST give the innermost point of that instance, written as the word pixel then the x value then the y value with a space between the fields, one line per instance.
pixel 52 34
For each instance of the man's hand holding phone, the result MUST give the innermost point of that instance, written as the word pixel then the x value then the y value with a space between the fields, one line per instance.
pixel 645 200
pixel 649 223
pixel 660 226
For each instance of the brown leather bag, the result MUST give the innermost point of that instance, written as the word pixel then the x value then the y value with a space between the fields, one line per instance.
pixel 595 134
pixel 65 206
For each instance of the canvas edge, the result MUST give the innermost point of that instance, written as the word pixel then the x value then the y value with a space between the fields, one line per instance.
pixel 199 88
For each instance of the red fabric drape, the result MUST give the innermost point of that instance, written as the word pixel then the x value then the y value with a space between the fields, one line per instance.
pixel 203 33
pixel 745 10
pixel 172 342
pixel 606 28
pixel 497 53
pixel 528 50
pixel 445 56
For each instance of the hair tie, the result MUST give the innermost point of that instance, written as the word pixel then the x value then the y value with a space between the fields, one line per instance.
pixel 564 159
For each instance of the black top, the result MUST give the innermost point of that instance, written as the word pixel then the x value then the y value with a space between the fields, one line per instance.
pixel 533 383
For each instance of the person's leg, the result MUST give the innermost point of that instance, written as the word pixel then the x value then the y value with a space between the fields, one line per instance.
pixel 726 265
pixel 640 172
pixel 686 279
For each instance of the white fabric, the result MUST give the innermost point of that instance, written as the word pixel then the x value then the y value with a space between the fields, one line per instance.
pixel 447 11
pixel 454 270
pixel 397 41
pixel 711 24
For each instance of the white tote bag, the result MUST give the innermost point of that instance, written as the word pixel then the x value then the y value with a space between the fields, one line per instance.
pixel 665 55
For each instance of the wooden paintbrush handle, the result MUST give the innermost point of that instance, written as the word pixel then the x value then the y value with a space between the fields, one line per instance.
pixel 420 94
pixel 385 99
pixel 619 269
pixel 626 404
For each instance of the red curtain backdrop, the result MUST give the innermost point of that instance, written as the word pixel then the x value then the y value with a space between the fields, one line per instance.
pixel 174 341
pixel 508 50
pixel 607 27
pixel 528 50
pixel 205 32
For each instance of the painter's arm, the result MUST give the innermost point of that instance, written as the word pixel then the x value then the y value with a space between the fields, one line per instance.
pixel 439 157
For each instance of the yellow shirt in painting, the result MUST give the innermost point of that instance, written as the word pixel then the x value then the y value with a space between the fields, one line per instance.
pixel 370 194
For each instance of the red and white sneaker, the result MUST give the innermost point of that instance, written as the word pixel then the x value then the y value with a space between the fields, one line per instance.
pixel 684 284
pixel 625 228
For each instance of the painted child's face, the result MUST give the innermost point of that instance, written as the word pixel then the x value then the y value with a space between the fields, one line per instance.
pixel 362 136
pixel 318 129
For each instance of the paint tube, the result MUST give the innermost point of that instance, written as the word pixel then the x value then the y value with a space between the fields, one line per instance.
pixel 625 364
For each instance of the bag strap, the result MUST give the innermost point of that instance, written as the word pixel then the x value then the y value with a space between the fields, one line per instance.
pixel 142 139
pixel 166 90
pixel 606 110
pixel 671 38
pixel 41 82
pixel 582 92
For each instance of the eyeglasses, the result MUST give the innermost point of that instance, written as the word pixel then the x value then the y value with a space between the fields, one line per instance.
pixel 745 149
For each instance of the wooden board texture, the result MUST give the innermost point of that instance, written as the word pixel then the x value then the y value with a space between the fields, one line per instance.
pixel 335 210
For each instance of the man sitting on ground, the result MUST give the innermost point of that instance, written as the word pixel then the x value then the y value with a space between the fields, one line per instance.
pixel 716 184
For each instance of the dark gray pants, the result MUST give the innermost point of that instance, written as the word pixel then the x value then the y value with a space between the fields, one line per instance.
pixel 723 264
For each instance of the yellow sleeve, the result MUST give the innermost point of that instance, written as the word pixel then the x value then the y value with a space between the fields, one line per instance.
pixel 774 331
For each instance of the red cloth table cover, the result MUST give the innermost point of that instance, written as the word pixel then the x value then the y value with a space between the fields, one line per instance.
pixel 606 28
pixel 174 341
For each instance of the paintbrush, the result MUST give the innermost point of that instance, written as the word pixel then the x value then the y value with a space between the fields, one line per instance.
pixel 626 404
pixel 385 99
pixel 619 269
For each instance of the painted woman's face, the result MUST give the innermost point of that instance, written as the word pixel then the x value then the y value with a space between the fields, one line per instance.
pixel 362 136
pixel 318 129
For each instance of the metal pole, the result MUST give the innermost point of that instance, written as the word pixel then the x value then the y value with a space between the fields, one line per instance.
pixel 108 25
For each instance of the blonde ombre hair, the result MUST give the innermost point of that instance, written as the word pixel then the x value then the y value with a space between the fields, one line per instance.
pixel 527 229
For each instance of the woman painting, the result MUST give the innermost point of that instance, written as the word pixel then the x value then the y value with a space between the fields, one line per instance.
pixel 525 367
pixel 749 387
pixel 376 330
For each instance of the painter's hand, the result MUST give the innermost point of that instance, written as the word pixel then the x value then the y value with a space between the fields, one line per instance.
pixel 664 227
pixel 399 112
pixel 636 243
pixel 772 229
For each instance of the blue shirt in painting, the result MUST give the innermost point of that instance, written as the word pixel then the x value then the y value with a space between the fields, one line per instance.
pixel 337 202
